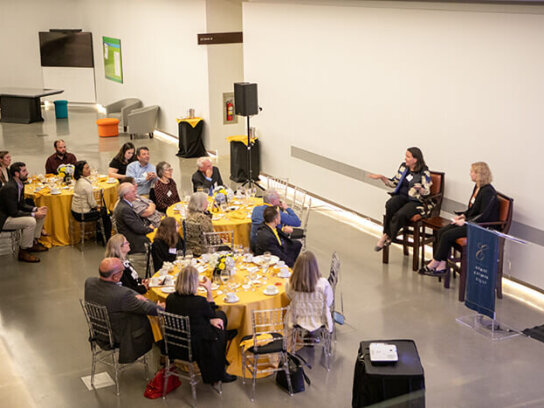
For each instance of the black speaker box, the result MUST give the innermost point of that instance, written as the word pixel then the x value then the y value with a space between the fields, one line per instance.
pixel 245 99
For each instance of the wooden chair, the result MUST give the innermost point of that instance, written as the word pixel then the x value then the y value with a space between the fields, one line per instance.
pixel 458 259
pixel 432 205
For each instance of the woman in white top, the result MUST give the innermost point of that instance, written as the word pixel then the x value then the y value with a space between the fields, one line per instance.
pixel 5 161
pixel 305 288
pixel 84 205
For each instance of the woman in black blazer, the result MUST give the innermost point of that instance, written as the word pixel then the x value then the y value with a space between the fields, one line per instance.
pixel 166 243
pixel 119 247
pixel 483 206
pixel 208 335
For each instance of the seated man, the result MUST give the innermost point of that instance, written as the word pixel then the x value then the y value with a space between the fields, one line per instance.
pixel 273 240
pixel 207 176
pixel 142 171
pixel 128 222
pixel 61 156
pixel 127 310
pixel 144 207
pixel 288 217
pixel 16 214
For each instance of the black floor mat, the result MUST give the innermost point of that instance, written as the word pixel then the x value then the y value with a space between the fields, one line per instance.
pixel 536 333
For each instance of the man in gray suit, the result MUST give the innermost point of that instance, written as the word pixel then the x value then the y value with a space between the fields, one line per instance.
pixel 127 310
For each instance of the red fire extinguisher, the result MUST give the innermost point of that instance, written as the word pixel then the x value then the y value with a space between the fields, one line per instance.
pixel 230 111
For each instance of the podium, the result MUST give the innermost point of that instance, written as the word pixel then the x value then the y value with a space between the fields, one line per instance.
pixel 482 268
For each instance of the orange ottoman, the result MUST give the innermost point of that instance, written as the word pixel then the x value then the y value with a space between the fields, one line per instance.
pixel 108 127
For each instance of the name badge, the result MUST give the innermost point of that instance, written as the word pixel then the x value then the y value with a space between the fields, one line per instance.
pixel 409 177
pixel 169 193
pixel 173 251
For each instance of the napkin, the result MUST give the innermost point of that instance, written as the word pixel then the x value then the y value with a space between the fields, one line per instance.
pixel 44 191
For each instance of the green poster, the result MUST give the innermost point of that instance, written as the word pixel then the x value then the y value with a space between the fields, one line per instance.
pixel 112 59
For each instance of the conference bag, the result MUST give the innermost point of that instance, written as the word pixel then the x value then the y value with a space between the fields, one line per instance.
pixel 296 371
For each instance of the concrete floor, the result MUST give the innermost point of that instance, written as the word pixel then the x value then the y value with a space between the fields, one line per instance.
pixel 44 349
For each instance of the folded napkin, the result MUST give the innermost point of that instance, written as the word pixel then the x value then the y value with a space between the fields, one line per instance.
pixel 44 191
pixel 262 340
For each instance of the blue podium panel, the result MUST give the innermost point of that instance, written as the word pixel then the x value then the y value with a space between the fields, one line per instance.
pixel 482 263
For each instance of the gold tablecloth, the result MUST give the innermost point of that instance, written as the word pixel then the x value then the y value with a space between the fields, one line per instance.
pixel 57 220
pixel 239 313
pixel 238 220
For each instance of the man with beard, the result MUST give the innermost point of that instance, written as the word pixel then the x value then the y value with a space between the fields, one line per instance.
pixel 16 214
pixel 61 156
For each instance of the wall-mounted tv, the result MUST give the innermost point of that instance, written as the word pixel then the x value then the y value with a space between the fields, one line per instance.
pixel 68 48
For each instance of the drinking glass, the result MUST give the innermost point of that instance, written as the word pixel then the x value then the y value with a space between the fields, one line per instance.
pixel 225 276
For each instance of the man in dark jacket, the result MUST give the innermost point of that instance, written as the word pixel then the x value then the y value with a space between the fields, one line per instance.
pixel 127 310
pixel 207 176
pixel 128 222
pixel 16 214
pixel 273 240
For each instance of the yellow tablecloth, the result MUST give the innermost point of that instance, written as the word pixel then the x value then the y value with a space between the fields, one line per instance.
pixel 57 220
pixel 239 314
pixel 240 138
pixel 238 220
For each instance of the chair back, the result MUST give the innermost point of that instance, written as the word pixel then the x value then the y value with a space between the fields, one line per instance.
pixel 278 184
pixel 506 211
pixel 433 203
pixel 307 308
pixel 269 321
pixel 306 214
pixel 301 201
pixel 215 240
pixel 176 332
pixel 99 323
pixel 334 274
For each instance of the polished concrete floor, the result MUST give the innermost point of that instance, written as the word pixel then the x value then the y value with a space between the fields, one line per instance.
pixel 44 349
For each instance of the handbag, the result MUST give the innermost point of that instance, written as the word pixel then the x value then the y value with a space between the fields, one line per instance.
pixel 296 365
pixel 154 388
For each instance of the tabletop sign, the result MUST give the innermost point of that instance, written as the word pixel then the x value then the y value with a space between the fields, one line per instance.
pixel 220 38
pixel 482 264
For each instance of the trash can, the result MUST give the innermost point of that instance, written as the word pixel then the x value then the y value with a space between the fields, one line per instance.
pixel 61 109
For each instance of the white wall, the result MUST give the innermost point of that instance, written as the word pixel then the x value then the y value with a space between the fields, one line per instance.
pixel 225 66
pixel 20 22
pixel 162 62
pixel 360 84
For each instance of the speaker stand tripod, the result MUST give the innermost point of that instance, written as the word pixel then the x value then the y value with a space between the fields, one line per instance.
pixel 249 182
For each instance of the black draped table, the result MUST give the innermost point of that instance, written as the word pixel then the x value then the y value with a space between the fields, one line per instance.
pixel 373 383
pixel 190 138
pixel 22 105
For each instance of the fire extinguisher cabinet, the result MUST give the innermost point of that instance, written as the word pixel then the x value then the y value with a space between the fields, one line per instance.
pixel 239 164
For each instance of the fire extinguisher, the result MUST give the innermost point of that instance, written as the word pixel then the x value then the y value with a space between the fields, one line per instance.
pixel 230 111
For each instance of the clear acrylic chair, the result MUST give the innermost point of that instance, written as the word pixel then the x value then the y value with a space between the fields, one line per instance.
pixel 103 347
pixel 304 221
pixel 334 280
pixel 176 332
pixel 13 236
pixel 281 185
pixel 84 232
pixel 218 241
pixel 257 358
pixel 305 308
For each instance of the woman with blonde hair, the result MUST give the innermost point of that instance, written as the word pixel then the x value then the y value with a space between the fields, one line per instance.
pixel 208 335
pixel 166 243
pixel 305 286
pixel 198 221
pixel 119 247
pixel 483 206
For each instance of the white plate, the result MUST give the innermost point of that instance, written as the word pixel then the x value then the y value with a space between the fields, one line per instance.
pixel 231 301
pixel 168 289
pixel 56 192
pixel 215 286
pixel 267 293
pixel 111 181
pixel 284 275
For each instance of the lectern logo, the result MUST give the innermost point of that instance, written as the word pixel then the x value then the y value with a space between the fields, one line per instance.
pixel 480 252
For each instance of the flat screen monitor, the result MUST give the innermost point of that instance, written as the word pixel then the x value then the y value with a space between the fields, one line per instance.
pixel 66 49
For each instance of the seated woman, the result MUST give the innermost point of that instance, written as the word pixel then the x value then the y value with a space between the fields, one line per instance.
pixel 165 190
pixel 5 161
pixel 412 183
pixel 118 165
pixel 483 206
pixel 208 335
pixel 197 222
pixel 84 205
pixel 119 247
pixel 306 285
pixel 166 243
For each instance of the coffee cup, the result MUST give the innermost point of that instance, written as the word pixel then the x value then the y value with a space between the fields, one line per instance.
pixel 169 280
pixel 163 271
pixel 231 297
pixel 281 264
pixel 271 289
pixel 154 281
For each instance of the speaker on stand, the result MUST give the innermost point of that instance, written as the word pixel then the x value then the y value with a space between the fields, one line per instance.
pixel 246 104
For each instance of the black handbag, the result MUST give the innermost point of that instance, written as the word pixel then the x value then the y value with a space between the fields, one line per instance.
pixel 296 371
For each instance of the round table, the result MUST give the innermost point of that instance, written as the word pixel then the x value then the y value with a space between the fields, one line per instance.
pixel 238 314
pixel 238 220
pixel 58 216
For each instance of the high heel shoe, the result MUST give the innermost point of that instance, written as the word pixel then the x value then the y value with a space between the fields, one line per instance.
pixel 432 272
pixel 378 248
